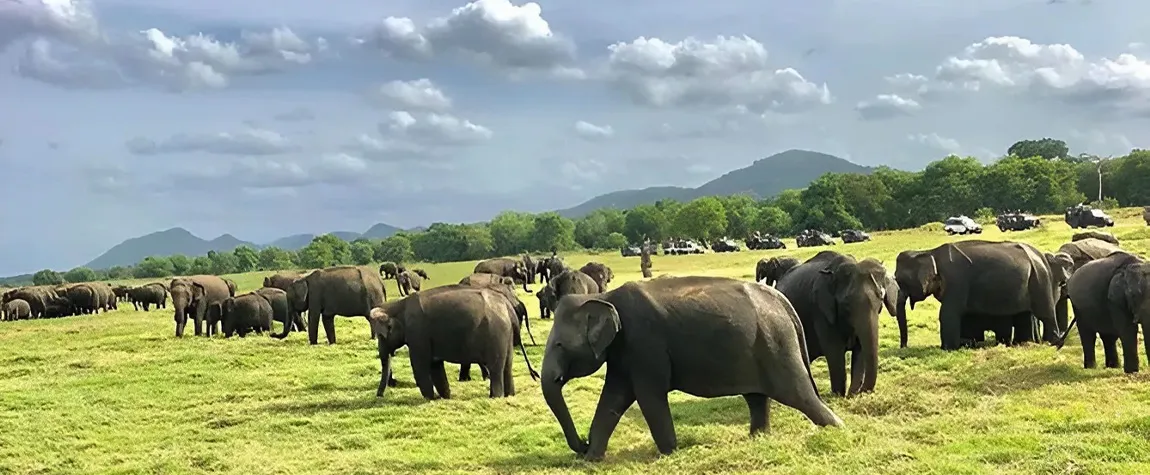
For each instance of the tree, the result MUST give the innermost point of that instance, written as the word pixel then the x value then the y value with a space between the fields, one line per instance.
pixel 181 264
pixel 200 265
pixel 396 248
pixel 702 219
pixel 646 221
pixel 362 252
pixel 742 215
pixel 552 231
pixel 774 220
pixel 1047 148
pixel 615 241
pixel 824 207
pixel 325 251
pixel 223 263
pixel 247 259
pixel 274 258
pixel 80 274
pixel 119 272
pixel 152 267
pixel 47 277
pixel 511 232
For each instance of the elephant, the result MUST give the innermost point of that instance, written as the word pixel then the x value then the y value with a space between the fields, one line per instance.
pixel 505 267
pixel 705 336
pixel 408 282
pixel 460 324
pixel 107 296
pixel 121 292
pixel 84 298
pixel 838 299
pixel 281 311
pixel 421 273
pixel 147 295
pixel 480 279
pixel 1146 214
pixel 549 267
pixel 203 296
pixel 231 287
pixel 975 326
pixel 44 301
pixel 389 270
pixel 769 271
pixel 1100 235
pixel 1111 298
pixel 979 277
pixel 1088 249
pixel 280 280
pixel 17 309
pixel 570 282
pixel 248 312
pixel 600 273
pixel 547 301
pixel 349 291
pixel 531 267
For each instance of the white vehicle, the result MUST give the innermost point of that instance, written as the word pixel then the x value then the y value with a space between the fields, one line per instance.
pixel 961 225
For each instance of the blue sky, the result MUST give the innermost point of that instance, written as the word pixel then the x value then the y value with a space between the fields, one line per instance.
pixel 264 119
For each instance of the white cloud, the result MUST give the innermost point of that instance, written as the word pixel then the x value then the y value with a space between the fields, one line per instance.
pixel 936 141
pixel 247 142
pixel 591 131
pixel 41 61
pixel 387 149
pixel 506 36
pixel 726 72
pixel 419 94
pixel 886 106
pixel 1049 71
pixel 59 19
pixel 434 129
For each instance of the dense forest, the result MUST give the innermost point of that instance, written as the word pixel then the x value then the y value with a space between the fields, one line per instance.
pixel 1037 176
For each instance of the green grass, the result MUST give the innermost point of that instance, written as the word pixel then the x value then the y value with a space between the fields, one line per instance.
pixel 117 393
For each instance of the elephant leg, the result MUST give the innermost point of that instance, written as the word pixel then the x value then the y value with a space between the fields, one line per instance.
pixel 618 395
pixel 656 410
pixel 760 407
pixel 329 327
pixel 858 373
pixel 508 376
pixel 1061 315
pixel 836 366
pixel 484 372
pixel 313 326
pixel 421 371
pixel 1086 338
pixel 439 379
pixel 950 325
pixel 1145 341
pixel 1129 337
pixel 465 372
pixel 496 377
pixel 1110 349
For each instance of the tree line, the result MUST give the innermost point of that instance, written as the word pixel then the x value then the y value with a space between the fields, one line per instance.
pixel 1037 176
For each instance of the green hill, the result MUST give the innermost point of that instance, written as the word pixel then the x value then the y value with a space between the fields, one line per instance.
pixel 163 243
pixel 764 178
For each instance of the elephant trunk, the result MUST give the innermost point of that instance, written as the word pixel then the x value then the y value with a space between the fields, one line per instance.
pixel 181 315
pixel 868 343
pixel 384 366
pixel 901 317
pixel 552 386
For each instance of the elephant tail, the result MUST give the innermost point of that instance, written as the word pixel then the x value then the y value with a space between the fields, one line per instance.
pixel 1062 338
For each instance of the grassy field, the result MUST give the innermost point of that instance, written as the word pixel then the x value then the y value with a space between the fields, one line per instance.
pixel 117 393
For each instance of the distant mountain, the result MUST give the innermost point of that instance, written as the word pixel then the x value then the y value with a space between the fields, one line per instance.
pixel 163 243
pixel 764 178
pixel 180 241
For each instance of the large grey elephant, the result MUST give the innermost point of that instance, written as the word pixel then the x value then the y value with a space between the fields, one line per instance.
pixel 203 296
pixel 280 280
pixel 482 280
pixel 1111 298
pixel 460 324
pixel 769 271
pixel 839 299
pixel 147 295
pixel 977 277
pixel 1088 249
pixel 705 336
pixel 350 291
pixel 506 267
pixel 598 272
pixel 1099 235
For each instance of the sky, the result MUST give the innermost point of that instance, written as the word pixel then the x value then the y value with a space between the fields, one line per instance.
pixel 264 118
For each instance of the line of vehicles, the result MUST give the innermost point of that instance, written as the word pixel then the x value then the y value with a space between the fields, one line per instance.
pixel 1078 216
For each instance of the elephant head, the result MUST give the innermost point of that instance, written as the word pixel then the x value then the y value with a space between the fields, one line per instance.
pixel 547 297
pixel 1061 267
pixel 584 329
pixel 422 273
pixel 228 316
pixel 917 276
pixel 852 294
pixel 297 294
pixel 769 271
pixel 1130 290
pixel 388 326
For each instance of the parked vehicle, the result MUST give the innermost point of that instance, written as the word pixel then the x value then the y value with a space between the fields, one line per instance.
pixel 765 241
pixel 1017 221
pixel 1084 216
pixel 811 238
pixel 725 245
pixel 635 250
pixel 681 246
pixel 854 235
pixel 961 224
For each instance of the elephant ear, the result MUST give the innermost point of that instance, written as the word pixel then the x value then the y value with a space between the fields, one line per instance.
pixel 602 325
pixel 198 291
pixel 827 292
pixel 300 289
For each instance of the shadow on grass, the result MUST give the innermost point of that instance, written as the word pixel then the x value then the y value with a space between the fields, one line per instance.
pixel 367 401
pixel 1027 378
pixel 918 352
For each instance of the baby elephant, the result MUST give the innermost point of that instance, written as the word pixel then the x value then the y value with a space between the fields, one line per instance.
pixel 18 309
pixel 1111 298
pixel 408 282
pixel 454 324
pixel 245 313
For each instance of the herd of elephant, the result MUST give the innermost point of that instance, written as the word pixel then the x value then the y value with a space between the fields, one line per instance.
pixel 705 336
